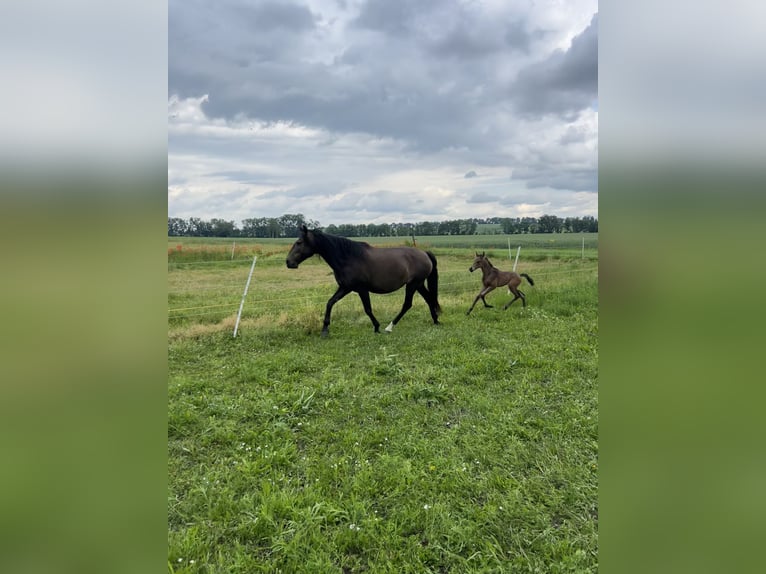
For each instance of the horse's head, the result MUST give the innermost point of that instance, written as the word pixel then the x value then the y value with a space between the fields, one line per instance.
pixel 478 262
pixel 302 249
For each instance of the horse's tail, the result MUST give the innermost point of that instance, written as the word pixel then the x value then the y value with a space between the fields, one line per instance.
pixel 433 283
pixel 528 278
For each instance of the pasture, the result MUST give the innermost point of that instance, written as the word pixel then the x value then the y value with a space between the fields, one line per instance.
pixel 465 447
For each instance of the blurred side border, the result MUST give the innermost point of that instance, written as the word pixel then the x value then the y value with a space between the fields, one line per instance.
pixel 681 205
pixel 83 360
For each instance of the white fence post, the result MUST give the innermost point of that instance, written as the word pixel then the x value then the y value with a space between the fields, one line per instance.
pixel 241 304
pixel 517 257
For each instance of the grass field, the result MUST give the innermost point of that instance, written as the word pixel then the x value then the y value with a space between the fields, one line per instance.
pixel 465 447
pixel 534 247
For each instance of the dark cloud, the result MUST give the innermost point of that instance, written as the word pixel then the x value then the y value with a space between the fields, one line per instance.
pixel 517 37
pixel 574 135
pixel 376 85
pixel 427 76
pixel 244 177
pixel 431 76
pixel 564 83
pixel 395 17
pixel 386 201
pixel 482 197
pixel 467 41
pixel 558 177
pixel 270 16
pixel 301 192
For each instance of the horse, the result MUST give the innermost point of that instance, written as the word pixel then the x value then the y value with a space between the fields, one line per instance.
pixel 360 267
pixel 492 277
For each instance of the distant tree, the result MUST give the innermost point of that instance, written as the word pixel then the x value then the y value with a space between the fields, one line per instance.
pixel 199 227
pixel 467 226
pixel 255 227
pixel 222 228
pixel 177 227
pixel 290 224
pixel 549 224
pixel 378 230
pixel 449 227
pixel 528 225
pixel 427 228
pixel 348 230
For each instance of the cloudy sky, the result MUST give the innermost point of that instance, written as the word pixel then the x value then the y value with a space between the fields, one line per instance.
pixel 372 111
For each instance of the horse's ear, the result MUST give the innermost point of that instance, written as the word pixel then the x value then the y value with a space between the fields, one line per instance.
pixel 304 229
pixel 482 253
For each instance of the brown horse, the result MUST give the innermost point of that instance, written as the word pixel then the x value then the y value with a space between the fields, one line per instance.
pixel 492 277
pixel 360 267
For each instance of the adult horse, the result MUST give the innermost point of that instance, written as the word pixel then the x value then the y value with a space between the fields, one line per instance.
pixel 492 277
pixel 365 269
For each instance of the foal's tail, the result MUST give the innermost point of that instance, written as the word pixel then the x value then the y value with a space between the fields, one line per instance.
pixel 433 283
pixel 528 278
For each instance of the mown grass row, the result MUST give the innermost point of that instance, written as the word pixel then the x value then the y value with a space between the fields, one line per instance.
pixel 465 447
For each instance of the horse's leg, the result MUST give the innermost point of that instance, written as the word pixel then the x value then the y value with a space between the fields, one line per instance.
pixel 431 307
pixel 481 294
pixel 486 292
pixel 516 295
pixel 339 294
pixel 365 297
pixel 408 295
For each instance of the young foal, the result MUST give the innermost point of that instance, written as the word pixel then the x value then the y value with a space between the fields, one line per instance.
pixel 492 277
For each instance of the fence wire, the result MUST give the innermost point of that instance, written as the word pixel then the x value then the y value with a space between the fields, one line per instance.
pixel 321 296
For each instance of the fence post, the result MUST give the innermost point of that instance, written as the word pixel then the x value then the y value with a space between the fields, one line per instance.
pixel 241 304
pixel 517 258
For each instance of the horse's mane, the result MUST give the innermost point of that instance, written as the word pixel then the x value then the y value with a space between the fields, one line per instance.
pixel 338 250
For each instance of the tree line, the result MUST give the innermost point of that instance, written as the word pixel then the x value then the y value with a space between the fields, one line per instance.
pixel 287 225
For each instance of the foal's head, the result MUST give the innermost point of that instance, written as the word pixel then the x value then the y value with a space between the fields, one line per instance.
pixel 479 262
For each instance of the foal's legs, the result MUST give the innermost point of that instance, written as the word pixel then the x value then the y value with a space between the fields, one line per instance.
pixel 408 295
pixel 431 306
pixel 365 297
pixel 339 294
pixel 481 295
pixel 518 294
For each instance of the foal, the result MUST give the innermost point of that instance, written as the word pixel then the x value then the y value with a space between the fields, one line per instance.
pixel 492 277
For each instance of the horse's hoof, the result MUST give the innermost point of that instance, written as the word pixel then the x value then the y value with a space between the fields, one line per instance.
pixel 324 334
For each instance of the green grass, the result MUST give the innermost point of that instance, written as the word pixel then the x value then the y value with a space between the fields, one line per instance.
pixel 465 447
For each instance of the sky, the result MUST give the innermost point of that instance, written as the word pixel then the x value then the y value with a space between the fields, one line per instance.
pixel 378 111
